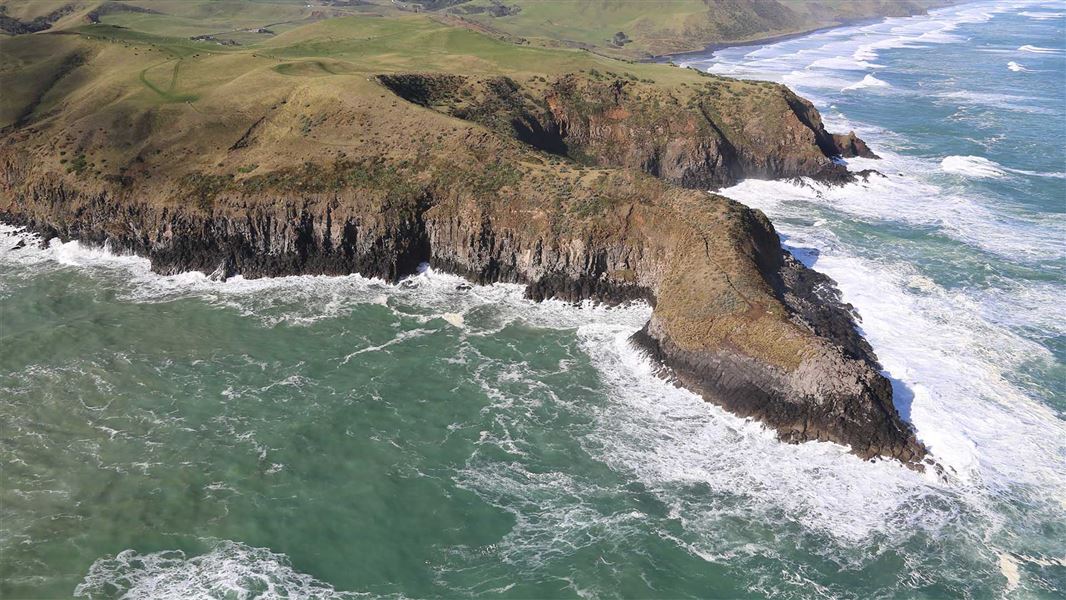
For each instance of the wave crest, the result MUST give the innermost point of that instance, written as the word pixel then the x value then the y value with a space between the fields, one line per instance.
pixel 972 166
pixel 1042 16
pixel 1038 50
pixel 867 82
pixel 229 570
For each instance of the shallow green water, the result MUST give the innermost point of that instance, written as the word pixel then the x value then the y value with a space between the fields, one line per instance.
pixel 385 446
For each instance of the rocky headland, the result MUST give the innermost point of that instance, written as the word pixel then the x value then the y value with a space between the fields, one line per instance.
pixel 583 185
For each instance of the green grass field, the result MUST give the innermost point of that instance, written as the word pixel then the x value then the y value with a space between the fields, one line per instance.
pixel 111 90
pixel 152 57
pixel 658 27
pixel 108 91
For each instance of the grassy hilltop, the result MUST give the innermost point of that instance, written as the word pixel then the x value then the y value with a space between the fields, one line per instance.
pixel 111 88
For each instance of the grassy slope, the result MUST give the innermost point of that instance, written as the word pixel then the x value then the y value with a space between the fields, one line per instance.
pixel 144 59
pixel 149 100
pixel 669 26
pixel 133 94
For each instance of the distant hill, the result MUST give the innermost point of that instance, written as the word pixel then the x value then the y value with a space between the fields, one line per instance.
pixel 640 28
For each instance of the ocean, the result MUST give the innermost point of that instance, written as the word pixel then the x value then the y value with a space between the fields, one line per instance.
pixel 339 437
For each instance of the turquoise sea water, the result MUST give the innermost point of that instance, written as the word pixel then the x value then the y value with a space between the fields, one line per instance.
pixel 174 437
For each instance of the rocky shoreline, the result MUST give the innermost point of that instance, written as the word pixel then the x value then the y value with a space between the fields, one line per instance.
pixel 834 392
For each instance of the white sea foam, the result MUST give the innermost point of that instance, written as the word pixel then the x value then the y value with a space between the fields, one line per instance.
pixel 840 63
pixel 1042 15
pixel 1009 567
pixel 1038 173
pixel 976 166
pixel 302 299
pixel 439 291
pixel 1017 68
pixel 228 570
pixel 972 166
pixel 867 82
pixel 667 437
pixel 813 79
pixel 916 202
pixel 692 455
pixel 674 441
pixel 808 61
pixel 455 319
pixel 1039 50
pixel 1000 101
pixel 815 65
pixel 935 341
pixel 642 400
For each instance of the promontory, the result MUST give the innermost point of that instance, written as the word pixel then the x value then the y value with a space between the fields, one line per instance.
pixel 347 138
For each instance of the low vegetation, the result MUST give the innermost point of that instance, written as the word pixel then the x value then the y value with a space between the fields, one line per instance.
pixel 128 85
pixel 639 28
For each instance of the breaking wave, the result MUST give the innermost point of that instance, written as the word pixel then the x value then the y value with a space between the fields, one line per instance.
pixel 668 437
pixel 976 166
pixel 1039 50
pixel 1042 15
pixel 972 166
pixel 917 327
pixel 844 49
pixel 1009 102
pixel 867 82
pixel 229 570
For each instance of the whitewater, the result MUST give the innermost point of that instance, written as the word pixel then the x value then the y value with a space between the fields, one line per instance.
pixel 341 437
pixel 953 252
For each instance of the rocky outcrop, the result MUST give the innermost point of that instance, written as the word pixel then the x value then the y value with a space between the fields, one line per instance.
pixel 702 136
pixel 12 26
pixel 850 146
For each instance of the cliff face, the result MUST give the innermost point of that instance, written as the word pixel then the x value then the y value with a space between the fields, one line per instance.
pixel 708 135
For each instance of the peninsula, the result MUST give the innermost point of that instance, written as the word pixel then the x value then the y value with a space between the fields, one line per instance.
pixel 351 137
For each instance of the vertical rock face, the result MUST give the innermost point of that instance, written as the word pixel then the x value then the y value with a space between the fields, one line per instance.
pixel 701 136
pixel 735 319
pixel 714 139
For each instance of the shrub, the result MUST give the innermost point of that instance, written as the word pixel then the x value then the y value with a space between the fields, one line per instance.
pixel 78 165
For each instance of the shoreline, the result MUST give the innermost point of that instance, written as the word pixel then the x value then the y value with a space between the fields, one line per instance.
pixel 711 48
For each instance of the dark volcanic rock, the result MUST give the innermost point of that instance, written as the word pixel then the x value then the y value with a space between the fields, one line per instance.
pixel 850 146
pixel 835 398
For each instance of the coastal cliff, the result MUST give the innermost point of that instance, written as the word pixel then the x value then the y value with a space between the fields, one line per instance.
pixel 736 319
pixel 578 180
